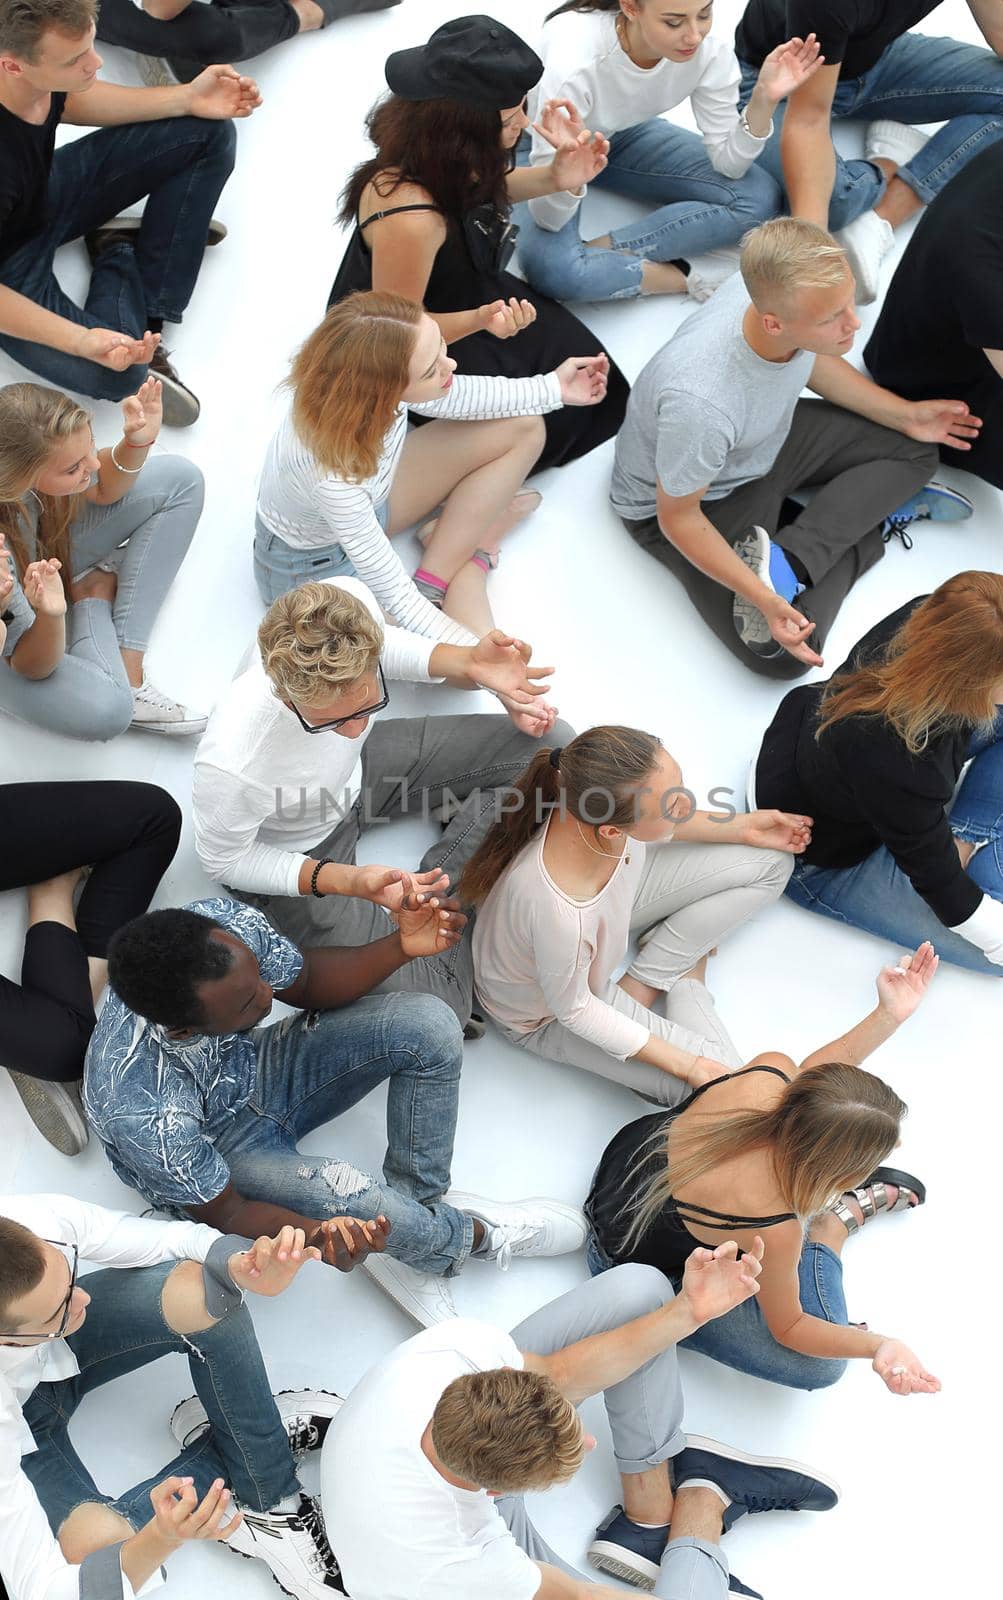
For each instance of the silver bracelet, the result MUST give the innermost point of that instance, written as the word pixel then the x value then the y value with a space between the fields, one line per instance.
pixel 744 120
pixel 130 471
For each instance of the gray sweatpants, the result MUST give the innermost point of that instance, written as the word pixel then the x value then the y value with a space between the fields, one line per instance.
pixel 144 537
pixel 862 473
pixel 409 767
pixel 645 1414
pixel 690 898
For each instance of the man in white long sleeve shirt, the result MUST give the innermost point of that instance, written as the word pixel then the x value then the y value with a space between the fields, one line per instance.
pixel 291 770
pixel 170 1286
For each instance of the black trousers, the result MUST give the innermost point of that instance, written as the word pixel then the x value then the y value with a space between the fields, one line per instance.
pixel 128 834
pixel 226 30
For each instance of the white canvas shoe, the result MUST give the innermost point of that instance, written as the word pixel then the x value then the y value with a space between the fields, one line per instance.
pixel 866 240
pixel 55 1109
pixel 156 712
pixel 306 1416
pixel 893 141
pixel 293 1546
pixel 536 1227
pixel 709 270
pixel 426 1297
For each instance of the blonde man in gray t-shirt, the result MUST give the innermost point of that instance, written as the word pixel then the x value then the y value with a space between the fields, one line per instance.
pixel 717 439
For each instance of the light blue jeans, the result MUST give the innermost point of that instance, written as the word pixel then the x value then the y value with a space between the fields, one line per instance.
pixel 698 208
pixel 314 1065
pixel 743 1341
pixel 917 80
pixel 877 896
pixel 144 537
pixel 279 567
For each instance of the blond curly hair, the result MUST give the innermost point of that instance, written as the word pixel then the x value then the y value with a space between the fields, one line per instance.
pixel 316 642
pixel 507 1430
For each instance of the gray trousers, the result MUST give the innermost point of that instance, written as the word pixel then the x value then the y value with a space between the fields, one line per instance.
pixel 690 898
pixel 861 471
pixel 144 537
pixel 409 767
pixel 645 1414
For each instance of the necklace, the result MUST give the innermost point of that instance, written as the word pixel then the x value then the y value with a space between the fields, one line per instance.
pixel 606 854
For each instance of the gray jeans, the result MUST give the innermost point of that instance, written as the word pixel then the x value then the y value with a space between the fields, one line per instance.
pixel 690 898
pixel 409 766
pixel 144 538
pixel 862 473
pixel 645 1416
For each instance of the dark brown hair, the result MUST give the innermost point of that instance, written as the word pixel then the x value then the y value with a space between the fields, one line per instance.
pixel 452 150
pixel 22 1266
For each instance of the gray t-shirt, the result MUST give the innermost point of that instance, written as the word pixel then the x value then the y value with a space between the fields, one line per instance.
pixel 706 410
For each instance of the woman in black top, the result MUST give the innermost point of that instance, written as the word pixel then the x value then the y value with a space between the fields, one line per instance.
pixel 431 211
pixel 875 755
pixel 767 1153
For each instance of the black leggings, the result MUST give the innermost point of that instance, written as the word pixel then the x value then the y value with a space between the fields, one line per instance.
pixel 128 833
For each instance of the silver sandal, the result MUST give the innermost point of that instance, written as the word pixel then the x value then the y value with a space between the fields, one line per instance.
pixel 872 1197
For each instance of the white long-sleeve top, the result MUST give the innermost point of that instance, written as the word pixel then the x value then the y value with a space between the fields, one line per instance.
pixel 31 1562
pixel 309 508
pixel 265 792
pixel 584 62
pixel 541 956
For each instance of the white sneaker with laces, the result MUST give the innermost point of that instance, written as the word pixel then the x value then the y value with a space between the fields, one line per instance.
pixel 708 271
pixel 306 1416
pixel 156 712
pixel 425 1297
pixel 155 72
pixel 294 1547
pixel 536 1227
pixel 866 240
pixel 893 141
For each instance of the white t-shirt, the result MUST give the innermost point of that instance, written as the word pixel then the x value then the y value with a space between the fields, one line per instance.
pixel 400 1530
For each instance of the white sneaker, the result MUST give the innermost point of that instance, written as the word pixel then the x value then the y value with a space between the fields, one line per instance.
pixel 534 1227
pixel 306 1416
pixel 294 1547
pixel 425 1297
pixel 893 141
pixel 866 240
pixel 156 712
pixel 155 72
pixel 708 271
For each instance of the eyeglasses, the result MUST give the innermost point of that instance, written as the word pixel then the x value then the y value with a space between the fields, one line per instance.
pixel 72 1257
pixel 339 722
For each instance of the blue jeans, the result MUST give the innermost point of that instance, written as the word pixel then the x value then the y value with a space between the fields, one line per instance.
pixel 916 80
pixel 877 896
pixel 699 209
pixel 743 1341
pixel 245 1444
pixel 279 567
pixel 182 164
pixel 314 1065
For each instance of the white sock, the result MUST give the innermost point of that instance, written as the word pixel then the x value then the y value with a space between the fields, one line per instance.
pixel 705 1483
pixel 654 1525
pixel 288 1505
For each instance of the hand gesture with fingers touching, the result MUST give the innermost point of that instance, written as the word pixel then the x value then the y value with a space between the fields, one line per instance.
pixel 389 886
pixel 270 1265
pixel 43 588
pixel 716 1281
pixel 504 318
pixel 792 629
pixel 219 93
pixel 344 1242
pixel 428 927
pixel 181 1517
pixel 536 719
pixel 579 156
pixel 777 830
pixel 501 663
pixel 902 987
pixel 901 1371
pixel 143 414
pixel 583 379
pixel 116 350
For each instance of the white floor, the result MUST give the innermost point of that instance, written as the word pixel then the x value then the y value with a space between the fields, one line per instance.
pixel 627 648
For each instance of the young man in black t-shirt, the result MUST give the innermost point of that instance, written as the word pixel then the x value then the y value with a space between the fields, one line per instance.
pixel 941 327
pixel 173 148
pixel 875 69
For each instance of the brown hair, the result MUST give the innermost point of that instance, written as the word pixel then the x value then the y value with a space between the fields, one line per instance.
pixel 831 1127
pixel 33 420
pixel 316 641
pixel 939 671
pixel 451 149
pixel 610 762
pixel 507 1430
pixel 348 378
pixel 23 22
pixel 22 1266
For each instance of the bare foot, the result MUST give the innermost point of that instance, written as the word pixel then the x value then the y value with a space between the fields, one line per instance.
pixel 97 585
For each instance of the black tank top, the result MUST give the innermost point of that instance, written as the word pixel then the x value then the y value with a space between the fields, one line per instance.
pixel 629 1163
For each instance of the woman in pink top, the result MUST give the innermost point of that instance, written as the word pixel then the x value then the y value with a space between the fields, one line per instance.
pixel 588 862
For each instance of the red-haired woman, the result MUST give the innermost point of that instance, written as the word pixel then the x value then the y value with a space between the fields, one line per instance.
pixel 875 755
pixel 432 209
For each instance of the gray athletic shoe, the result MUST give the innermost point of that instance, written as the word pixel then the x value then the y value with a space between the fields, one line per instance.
pixel 56 1111
pixel 750 624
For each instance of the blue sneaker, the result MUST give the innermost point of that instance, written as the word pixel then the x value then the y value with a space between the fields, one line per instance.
pixel 626 1551
pixel 753 1483
pixel 935 503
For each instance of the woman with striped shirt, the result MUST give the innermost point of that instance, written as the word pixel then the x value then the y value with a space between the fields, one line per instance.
pixel 343 475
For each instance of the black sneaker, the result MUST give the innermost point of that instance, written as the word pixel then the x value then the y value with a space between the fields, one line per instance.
pixel 56 1111
pixel 753 1483
pixel 181 408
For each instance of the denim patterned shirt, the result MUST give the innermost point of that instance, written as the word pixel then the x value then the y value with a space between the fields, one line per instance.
pixel 158 1104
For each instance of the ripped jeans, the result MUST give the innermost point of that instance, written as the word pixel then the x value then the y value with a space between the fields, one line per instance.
pixel 316 1064
pixel 124 1330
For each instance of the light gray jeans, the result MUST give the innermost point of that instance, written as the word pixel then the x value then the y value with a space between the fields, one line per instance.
pixel 645 1416
pixel 690 898
pixel 144 538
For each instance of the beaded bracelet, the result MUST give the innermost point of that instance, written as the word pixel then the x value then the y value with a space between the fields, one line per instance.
pixel 131 471
pixel 326 862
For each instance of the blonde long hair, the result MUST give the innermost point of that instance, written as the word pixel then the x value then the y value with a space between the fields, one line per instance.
pixel 348 377
pixel 939 671
pixel 33 420
pixel 831 1127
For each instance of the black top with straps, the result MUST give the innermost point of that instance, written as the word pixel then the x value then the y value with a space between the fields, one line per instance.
pixel 629 1163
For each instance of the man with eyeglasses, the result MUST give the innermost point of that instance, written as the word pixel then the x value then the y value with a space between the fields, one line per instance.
pixel 168 1287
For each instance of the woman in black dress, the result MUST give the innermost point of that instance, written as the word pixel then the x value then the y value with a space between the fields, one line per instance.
pixel 432 213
